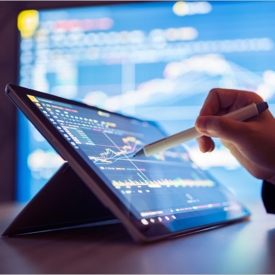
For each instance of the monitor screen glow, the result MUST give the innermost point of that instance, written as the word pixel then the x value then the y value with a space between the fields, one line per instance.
pixel 153 60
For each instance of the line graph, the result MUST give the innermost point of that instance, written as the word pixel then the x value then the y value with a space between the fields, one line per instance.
pixel 110 155
pixel 113 153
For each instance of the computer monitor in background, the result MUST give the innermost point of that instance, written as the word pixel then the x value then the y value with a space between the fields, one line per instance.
pixel 153 60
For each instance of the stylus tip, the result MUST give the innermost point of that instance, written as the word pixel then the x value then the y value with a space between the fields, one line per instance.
pixel 139 153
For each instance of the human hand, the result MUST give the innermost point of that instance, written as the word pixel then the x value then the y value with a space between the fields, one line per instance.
pixel 252 142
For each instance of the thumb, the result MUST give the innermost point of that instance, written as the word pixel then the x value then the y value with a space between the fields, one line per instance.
pixel 221 127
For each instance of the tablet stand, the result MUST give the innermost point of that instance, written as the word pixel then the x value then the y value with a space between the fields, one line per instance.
pixel 65 201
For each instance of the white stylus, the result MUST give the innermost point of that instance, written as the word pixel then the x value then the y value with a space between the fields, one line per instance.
pixel 181 137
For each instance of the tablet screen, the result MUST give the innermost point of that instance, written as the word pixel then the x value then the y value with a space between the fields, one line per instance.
pixel 164 188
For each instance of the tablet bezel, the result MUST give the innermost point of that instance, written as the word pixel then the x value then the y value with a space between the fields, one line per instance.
pixel 93 177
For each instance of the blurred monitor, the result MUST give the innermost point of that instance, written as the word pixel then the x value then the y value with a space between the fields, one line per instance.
pixel 153 60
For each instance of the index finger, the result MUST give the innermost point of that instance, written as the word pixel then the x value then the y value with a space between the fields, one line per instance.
pixel 221 101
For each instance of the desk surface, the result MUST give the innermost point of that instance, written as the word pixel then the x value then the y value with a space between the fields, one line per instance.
pixel 245 247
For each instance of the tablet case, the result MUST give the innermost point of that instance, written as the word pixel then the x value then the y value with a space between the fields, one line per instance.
pixel 65 201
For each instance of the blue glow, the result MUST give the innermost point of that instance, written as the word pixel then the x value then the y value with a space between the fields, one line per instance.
pixel 145 60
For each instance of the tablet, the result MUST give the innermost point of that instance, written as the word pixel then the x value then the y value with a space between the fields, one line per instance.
pixel 155 197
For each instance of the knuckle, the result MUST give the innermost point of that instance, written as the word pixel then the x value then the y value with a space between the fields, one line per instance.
pixel 219 125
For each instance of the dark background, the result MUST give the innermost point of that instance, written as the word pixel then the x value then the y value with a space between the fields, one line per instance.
pixel 8 74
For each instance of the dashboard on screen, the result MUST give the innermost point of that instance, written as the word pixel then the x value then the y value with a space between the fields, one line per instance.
pixel 152 60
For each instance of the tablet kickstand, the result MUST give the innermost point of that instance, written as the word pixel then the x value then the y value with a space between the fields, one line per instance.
pixel 63 202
